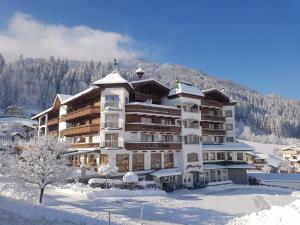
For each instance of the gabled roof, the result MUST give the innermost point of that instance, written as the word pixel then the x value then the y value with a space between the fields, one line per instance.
pixel 215 93
pixel 60 98
pixel 185 88
pixel 151 83
pixel 113 78
pixel 84 92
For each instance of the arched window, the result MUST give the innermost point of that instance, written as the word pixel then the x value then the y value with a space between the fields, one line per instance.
pixel 192 157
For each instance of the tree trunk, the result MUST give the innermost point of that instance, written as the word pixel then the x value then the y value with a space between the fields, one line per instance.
pixel 41 195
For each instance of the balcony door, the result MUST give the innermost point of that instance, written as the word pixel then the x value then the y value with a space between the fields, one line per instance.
pixel 111 140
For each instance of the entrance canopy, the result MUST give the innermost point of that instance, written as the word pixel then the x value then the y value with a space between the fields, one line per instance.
pixel 166 172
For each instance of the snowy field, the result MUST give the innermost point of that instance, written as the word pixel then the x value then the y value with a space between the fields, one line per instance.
pixel 79 204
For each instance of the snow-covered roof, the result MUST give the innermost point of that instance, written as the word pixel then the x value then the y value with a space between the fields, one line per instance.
pixel 240 166
pixel 166 172
pixel 79 94
pixel 139 70
pixel 152 105
pixel 230 146
pixel 259 155
pixel 186 88
pixel 148 80
pixel 212 166
pixel 42 113
pixel 295 147
pixel 63 97
pixel 113 78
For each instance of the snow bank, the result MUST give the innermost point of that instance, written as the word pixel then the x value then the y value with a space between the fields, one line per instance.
pixel 130 177
pixel 277 215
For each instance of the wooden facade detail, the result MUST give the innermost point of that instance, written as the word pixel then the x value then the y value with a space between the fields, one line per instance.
pixel 219 132
pixel 87 111
pixel 136 108
pixel 53 121
pixel 211 103
pixel 152 146
pixel 152 127
pixel 81 130
pixel 84 145
pixel 212 118
pixel 53 133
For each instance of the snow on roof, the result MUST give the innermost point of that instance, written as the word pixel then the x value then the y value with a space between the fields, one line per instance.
pixel 147 80
pixel 240 166
pixel 259 155
pixel 139 70
pixel 212 166
pixel 234 146
pixel 187 88
pixel 79 94
pixel 295 147
pixel 152 105
pixel 166 172
pixel 63 97
pixel 233 166
pixel 42 113
pixel 113 78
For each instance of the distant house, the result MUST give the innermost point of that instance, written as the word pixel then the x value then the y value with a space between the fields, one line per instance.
pixel 292 154
pixel 14 111
pixel 259 160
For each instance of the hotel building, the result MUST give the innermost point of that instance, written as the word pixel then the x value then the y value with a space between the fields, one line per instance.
pixel 181 136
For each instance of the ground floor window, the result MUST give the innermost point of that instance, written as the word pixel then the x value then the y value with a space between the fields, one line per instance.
pixel 192 157
pixel 215 175
pixel 155 160
pixel 122 162
pixel 239 156
pixel 168 160
pixel 212 156
pixel 205 156
pixel 138 162
pixel 229 155
pixel 103 159
pixel 221 155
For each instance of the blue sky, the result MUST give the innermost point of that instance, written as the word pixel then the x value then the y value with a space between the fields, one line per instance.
pixel 254 43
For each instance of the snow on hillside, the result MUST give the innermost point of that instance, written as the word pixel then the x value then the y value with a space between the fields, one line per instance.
pixel 269 149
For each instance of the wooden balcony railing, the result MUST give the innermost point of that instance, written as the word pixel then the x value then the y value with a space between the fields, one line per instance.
pixel 84 145
pixel 152 146
pixel 83 129
pixel 206 117
pixel 155 109
pixel 87 111
pixel 152 127
pixel 211 103
pixel 53 122
pixel 53 133
pixel 220 132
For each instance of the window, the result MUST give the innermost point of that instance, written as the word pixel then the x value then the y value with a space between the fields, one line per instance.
pixel 111 140
pixel 138 162
pixel 229 126
pixel 111 121
pixel 229 139
pixel 239 156
pixel 168 160
pixel 229 155
pixel 219 139
pixel 192 157
pixel 147 137
pixel 205 156
pixel 155 160
pixel 212 156
pixel 103 159
pixel 122 162
pixel 167 138
pixel 228 113
pixel 112 101
pixel 146 120
pixel 191 139
pixel 221 156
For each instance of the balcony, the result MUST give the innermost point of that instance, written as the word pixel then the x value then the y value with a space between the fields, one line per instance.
pixel 84 145
pixel 152 109
pixel 220 132
pixel 153 146
pixel 53 122
pixel 53 133
pixel 212 118
pixel 81 130
pixel 211 103
pixel 152 127
pixel 87 111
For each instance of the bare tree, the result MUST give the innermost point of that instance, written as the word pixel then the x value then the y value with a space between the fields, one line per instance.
pixel 42 162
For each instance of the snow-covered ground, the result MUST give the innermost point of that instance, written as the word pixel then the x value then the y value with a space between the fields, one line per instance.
pixel 269 149
pixel 80 204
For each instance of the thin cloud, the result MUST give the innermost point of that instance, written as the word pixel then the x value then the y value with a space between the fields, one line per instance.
pixel 27 36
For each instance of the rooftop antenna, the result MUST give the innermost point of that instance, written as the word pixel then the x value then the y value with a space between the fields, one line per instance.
pixel 139 72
